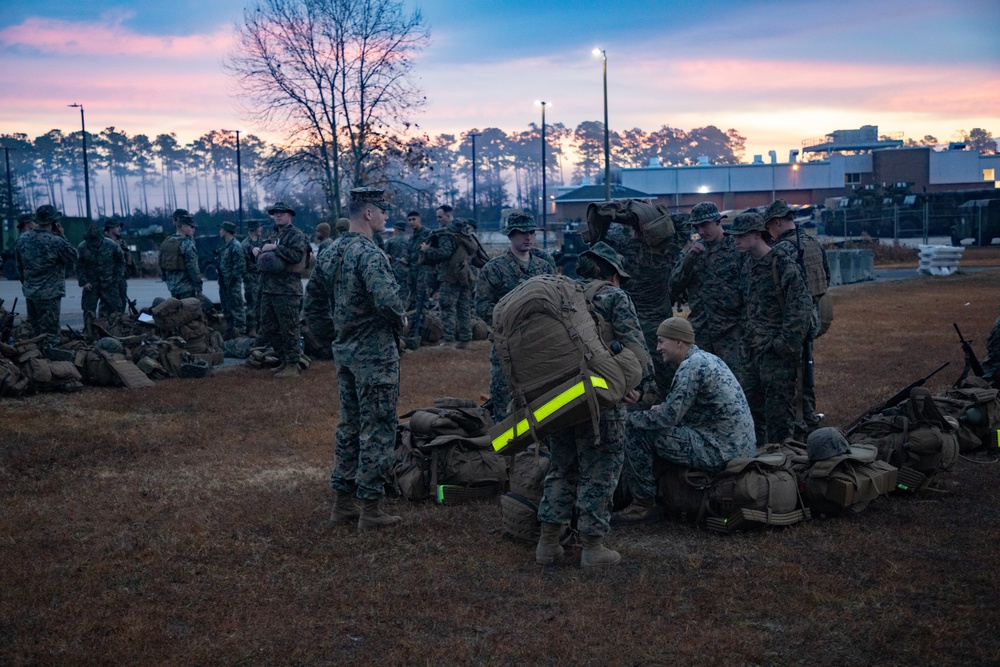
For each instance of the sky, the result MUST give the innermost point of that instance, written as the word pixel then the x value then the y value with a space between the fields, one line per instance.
pixel 777 71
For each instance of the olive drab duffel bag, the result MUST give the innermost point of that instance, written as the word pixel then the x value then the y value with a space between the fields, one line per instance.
pixel 559 369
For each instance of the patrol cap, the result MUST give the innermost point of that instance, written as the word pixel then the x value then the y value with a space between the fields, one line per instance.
pixel 24 219
pixel 676 328
pixel 519 221
pixel 603 251
pixel 229 226
pixel 776 209
pixel 706 211
pixel 280 207
pixel 748 221
pixel 47 214
pixel 373 196
pixel 827 442
pixel 111 223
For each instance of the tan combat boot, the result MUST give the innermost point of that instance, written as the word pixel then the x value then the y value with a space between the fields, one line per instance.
pixel 345 508
pixel 289 371
pixel 549 550
pixel 373 517
pixel 642 510
pixel 595 554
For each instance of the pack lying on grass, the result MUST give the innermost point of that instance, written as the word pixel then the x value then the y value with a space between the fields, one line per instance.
pixel 443 452
pixel 749 493
pixel 975 405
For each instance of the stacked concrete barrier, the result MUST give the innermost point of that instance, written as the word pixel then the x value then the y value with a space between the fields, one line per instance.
pixel 850 266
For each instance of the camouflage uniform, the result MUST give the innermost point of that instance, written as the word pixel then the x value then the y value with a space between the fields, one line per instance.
pixel 232 269
pixel 778 317
pixel 100 263
pixel 43 259
pixel 281 295
pixel 582 474
pixel 316 313
pixel 455 293
pixel 649 288
pixel 361 294
pixel 423 279
pixel 712 281
pixel 991 364
pixel 816 274
pixel 496 279
pixel 704 423
pixel 397 247
pixel 183 283
pixel 251 282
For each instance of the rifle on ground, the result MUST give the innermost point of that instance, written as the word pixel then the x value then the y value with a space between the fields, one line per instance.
pixel 132 307
pixel 7 326
pixel 971 360
pixel 896 399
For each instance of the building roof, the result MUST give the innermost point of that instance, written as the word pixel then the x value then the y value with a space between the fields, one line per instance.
pixel 589 193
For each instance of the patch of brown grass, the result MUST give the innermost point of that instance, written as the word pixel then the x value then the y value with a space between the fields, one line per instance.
pixel 188 524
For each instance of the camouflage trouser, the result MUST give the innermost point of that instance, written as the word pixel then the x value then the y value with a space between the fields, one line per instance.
pixel 583 475
pixel 678 444
pixel 44 315
pixel 769 384
pixel 421 288
pixel 499 398
pixel 403 280
pixel 122 295
pixel 251 293
pixel 729 348
pixel 366 433
pixel 279 324
pixel 233 308
pixel 454 301
pixel 96 297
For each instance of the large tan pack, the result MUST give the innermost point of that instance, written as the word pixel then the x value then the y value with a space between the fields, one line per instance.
pixel 652 221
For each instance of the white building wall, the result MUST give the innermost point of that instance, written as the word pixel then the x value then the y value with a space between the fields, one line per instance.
pixel 955 167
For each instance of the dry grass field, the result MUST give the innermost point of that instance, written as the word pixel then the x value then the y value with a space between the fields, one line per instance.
pixel 187 524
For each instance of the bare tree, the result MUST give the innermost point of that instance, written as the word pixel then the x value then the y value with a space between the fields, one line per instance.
pixel 327 73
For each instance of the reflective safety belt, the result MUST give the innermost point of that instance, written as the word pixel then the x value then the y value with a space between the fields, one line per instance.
pixel 547 409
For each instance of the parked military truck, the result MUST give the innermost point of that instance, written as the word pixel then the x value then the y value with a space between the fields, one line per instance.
pixel 978 220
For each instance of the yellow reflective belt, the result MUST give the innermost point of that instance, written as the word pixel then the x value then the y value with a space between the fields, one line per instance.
pixel 547 410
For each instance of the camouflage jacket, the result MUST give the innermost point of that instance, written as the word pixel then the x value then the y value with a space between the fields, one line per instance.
pixel 504 273
pixel 778 315
pixel 419 271
pixel 292 247
pixel 816 266
pixel 188 280
pixel 232 263
pixel 102 266
pixel 713 281
pixel 43 259
pixel 649 285
pixel 622 324
pixel 129 268
pixel 397 247
pixel 353 291
pixel 705 397
pixel 248 244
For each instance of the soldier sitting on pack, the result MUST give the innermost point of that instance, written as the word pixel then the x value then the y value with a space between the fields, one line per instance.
pixel 179 258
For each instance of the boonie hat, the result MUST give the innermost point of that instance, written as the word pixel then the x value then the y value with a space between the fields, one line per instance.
pixel 748 221
pixel 706 211
pixel 609 255
pixel 24 219
pixel 374 196
pixel 229 226
pixel 111 223
pixel 676 328
pixel 280 207
pixel 47 214
pixel 254 223
pixel 180 213
pixel 519 221
pixel 776 209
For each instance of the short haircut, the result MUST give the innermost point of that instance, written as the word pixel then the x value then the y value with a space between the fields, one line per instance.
pixel 446 208
pixel 413 214
pixel 356 207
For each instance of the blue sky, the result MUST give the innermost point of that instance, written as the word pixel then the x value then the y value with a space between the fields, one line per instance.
pixel 777 71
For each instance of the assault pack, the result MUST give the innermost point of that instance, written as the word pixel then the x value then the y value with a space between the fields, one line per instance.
pixel 171 258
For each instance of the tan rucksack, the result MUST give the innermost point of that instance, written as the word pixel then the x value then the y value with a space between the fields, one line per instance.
pixel 653 222
pixel 559 370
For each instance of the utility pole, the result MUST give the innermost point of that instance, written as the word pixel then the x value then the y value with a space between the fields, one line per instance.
pixel 475 204
pixel 86 170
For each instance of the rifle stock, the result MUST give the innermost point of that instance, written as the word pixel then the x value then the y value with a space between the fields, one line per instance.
pixel 971 360
pixel 896 399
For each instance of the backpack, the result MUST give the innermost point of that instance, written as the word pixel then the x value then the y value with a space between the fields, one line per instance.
pixel 975 406
pixel 825 308
pixel 171 258
pixel 653 222
pixel 171 314
pixel 559 370
pixel 433 240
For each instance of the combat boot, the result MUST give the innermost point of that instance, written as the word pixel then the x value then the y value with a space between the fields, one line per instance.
pixel 549 550
pixel 345 508
pixel 373 517
pixel 642 510
pixel 595 554
pixel 289 371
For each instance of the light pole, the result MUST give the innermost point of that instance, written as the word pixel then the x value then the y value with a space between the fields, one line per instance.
pixel 475 205
pixel 239 180
pixel 86 169
pixel 545 202
pixel 607 140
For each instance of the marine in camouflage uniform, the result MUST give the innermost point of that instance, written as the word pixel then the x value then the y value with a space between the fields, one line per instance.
pixel 710 276
pixel 584 469
pixel 43 258
pixel 779 312
pixel 251 280
pixel 179 269
pixel 649 288
pixel 232 269
pixel 397 247
pixel 323 237
pixel 423 278
pixel 809 254
pixel 703 423
pixel 456 282
pixel 500 275
pixel 99 267
pixel 281 291
pixel 367 315
pixel 991 364
pixel 113 231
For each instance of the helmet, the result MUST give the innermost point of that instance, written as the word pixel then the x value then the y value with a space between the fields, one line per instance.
pixel 111 345
pixel 269 262
pixel 825 443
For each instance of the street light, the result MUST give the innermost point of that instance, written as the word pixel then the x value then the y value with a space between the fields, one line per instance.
pixel 86 170
pixel 545 201
pixel 607 141
pixel 239 179
pixel 475 205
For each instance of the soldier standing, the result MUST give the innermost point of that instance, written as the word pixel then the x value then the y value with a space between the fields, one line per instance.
pixel 397 247
pixel 322 237
pixel 810 256
pixel 251 279
pixel 778 315
pixel 25 223
pixel 179 258
pixel 113 230
pixel 232 269
pixel 99 267
pixel 496 279
pixel 43 257
pixel 367 314
pixel 422 277
pixel 710 274
pixel 451 255
pixel 281 288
